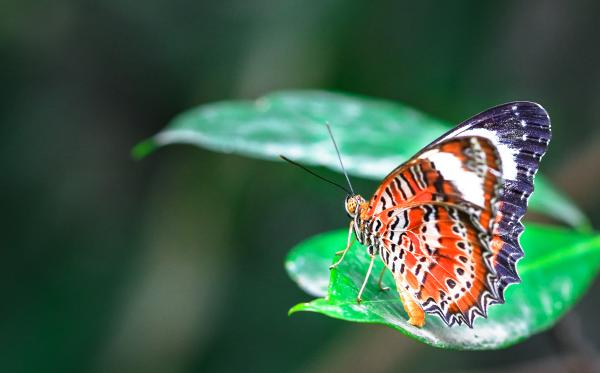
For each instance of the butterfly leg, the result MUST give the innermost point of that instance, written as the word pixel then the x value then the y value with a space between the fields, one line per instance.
pixel 416 315
pixel 381 287
pixel 362 288
pixel 343 252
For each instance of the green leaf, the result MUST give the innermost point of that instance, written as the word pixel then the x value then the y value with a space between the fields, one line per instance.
pixel 558 267
pixel 374 136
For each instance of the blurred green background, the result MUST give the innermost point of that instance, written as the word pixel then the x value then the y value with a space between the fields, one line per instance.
pixel 175 263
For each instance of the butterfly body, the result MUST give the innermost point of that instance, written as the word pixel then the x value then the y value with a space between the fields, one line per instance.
pixel 447 222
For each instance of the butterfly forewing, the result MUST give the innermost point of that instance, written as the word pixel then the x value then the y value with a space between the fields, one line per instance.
pixel 520 131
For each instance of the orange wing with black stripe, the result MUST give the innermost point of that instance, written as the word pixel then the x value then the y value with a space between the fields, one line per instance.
pixel 435 218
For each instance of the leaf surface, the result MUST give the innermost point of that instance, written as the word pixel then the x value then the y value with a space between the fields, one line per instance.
pixel 558 267
pixel 374 136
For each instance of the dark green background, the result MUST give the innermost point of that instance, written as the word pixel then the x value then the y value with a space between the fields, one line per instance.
pixel 175 263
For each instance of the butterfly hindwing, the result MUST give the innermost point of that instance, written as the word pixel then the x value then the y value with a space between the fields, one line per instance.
pixel 442 259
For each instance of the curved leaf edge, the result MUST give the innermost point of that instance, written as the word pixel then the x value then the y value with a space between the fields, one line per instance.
pixel 176 132
pixel 594 245
pixel 309 307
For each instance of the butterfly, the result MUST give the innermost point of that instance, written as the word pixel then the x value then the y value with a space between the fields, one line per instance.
pixel 447 222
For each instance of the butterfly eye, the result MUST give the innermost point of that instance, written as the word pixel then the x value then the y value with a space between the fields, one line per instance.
pixel 351 206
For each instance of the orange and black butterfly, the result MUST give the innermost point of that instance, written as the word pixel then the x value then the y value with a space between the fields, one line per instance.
pixel 447 222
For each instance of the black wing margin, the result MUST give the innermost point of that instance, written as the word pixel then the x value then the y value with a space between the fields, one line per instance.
pixel 521 133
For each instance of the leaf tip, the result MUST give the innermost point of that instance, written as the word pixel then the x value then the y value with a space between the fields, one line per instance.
pixel 297 308
pixel 142 149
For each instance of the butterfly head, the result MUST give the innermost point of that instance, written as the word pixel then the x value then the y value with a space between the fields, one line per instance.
pixel 354 204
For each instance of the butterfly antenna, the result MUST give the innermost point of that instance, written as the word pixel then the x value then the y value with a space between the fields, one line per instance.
pixel 339 157
pixel 313 173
